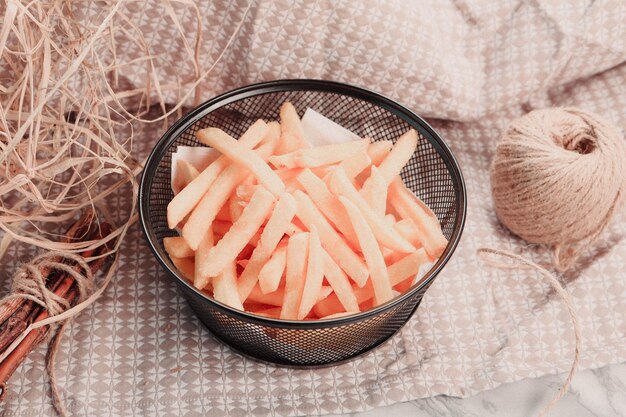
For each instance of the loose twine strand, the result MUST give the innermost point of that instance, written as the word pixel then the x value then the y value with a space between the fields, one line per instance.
pixel 503 259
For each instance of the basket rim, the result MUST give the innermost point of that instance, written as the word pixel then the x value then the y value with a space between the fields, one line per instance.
pixel 284 85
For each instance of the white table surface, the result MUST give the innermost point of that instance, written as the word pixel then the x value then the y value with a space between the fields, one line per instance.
pixel 594 393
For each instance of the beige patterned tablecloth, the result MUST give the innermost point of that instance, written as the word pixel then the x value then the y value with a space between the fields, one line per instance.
pixel 470 67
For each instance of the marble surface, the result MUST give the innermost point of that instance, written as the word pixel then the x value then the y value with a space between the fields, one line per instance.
pixel 594 393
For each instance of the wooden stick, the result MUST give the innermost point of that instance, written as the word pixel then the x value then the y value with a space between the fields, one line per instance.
pixel 76 232
pixel 67 289
pixel 54 283
pixel 36 336
pixel 25 311
pixel 11 329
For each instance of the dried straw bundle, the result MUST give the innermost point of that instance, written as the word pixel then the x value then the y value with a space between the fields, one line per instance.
pixel 65 117
pixel 61 114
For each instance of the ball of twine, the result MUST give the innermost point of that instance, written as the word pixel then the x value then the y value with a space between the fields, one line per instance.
pixel 557 178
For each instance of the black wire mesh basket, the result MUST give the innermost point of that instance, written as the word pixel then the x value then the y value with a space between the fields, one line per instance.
pixel 432 174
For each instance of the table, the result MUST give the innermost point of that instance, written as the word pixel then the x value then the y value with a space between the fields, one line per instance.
pixel 594 393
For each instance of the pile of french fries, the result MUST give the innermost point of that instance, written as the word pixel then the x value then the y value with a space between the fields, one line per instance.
pixel 279 228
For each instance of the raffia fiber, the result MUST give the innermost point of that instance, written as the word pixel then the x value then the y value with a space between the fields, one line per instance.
pixel 62 104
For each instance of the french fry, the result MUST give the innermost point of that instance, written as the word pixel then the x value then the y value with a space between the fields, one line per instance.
pixel 223 215
pixel 288 174
pixel 334 244
pixel 289 142
pixel 292 185
pixel 296 226
pixel 410 207
pixel 254 240
pixel 245 253
pixel 374 192
pixel 322 171
pixel 314 275
pixel 356 164
pixel 221 227
pixel 273 133
pixel 292 136
pixel 227 249
pixel 204 213
pixel 273 270
pixel 273 312
pixel 253 306
pixel 385 234
pixel 278 223
pixel 240 154
pixel 274 230
pixel 378 151
pixel 297 253
pixel 410 232
pixel 400 271
pixel 284 161
pixel 184 202
pixel 391 221
pixel 268 149
pixel 329 205
pixel 190 196
pixel 225 287
pixel 407 267
pixel 404 285
pixel 398 185
pixel 330 154
pixel 367 305
pixel 244 191
pixel 400 154
pixel 389 255
pixel 177 247
pixel 201 281
pixel 340 283
pixel 325 291
pixel 365 294
pixel 328 306
pixel 234 207
pixel 254 134
pixel 392 256
pixel 185 173
pixel 185 266
pixel 371 253
pixel 274 298
pixel 319 155
pixel 182 223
